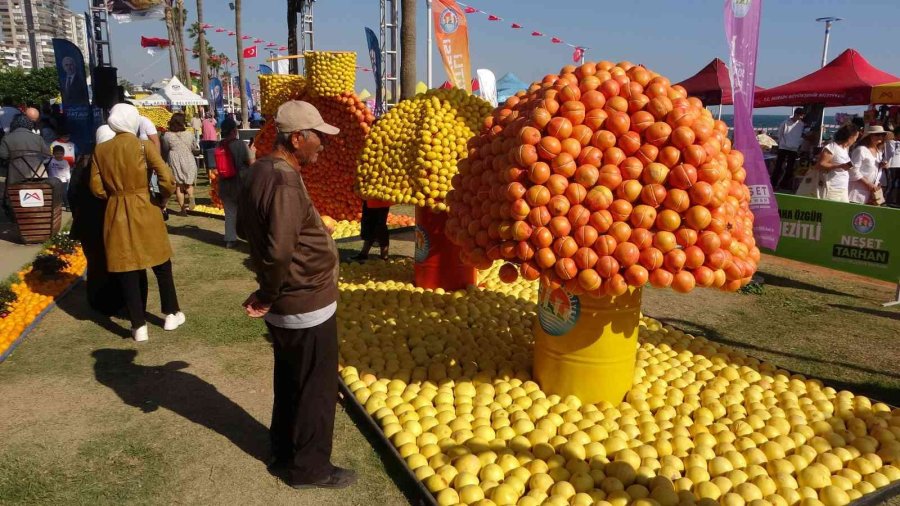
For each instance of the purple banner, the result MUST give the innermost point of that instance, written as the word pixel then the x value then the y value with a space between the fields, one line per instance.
pixel 742 34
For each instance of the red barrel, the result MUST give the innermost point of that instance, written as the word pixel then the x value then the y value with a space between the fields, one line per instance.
pixel 437 258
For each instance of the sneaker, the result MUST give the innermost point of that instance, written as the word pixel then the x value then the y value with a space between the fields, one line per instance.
pixel 140 334
pixel 173 321
pixel 339 478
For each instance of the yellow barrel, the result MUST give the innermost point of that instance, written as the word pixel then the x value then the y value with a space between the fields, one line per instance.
pixel 586 346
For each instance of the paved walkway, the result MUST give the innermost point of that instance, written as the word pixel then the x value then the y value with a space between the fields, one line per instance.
pixel 14 254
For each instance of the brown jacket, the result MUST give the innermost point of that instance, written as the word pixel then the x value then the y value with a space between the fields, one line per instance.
pixel 134 232
pixel 293 255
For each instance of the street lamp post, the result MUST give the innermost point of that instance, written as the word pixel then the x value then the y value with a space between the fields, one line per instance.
pixel 829 20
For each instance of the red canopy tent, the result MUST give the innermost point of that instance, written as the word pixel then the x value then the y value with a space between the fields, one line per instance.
pixel 847 80
pixel 711 84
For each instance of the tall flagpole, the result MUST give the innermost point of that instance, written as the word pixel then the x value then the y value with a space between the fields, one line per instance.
pixel 430 54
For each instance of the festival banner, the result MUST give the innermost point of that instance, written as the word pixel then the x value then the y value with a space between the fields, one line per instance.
pixel 215 97
pixel 74 90
pixel 847 237
pixel 375 57
pixel 487 84
pixel 264 69
pixel 742 32
pixel 250 103
pixel 452 35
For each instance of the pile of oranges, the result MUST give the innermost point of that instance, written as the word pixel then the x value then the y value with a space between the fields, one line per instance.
pixel 330 180
pixel 214 190
pixel 34 293
pixel 602 177
pixel 401 220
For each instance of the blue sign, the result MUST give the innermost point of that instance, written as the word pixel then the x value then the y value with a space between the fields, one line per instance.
pixel 75 97
pixel 216 98
pixel 558 311
pixel 375 56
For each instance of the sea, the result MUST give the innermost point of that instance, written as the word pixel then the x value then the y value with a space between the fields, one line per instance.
pixel 767 121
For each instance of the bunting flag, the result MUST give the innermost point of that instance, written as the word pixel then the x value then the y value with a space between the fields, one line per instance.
pixel 206 26
pixel 468 9
pixel 154 42
pixel 258 41
pixel 271 44
pixel 578 54
pixel 221 30
pixel 246 37
pixel 250 52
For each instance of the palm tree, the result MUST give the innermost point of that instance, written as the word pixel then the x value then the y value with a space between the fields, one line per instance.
pixel 293 6
pixel 408 49
pixel 201 41
pixel 240 56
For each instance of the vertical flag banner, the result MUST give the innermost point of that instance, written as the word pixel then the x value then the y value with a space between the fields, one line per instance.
pixel 250 104
pixel 217 100
pixel 375 56
pixel 74 90
pixel 742 34
pixel 452 35
pixel 487 83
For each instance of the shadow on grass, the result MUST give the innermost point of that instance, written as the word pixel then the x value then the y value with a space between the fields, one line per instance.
pixel 149 388
pixel 890 395
pixel 892 315
pixel 75 304
pixel 780 281
pixel 198 234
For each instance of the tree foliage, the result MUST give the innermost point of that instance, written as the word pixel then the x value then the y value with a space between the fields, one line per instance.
pixel 29 87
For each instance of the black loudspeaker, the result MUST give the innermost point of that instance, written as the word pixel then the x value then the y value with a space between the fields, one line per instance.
pixel 105 84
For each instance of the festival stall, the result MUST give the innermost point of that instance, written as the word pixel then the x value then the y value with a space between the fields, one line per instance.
pixel 849 79
pixel 712 84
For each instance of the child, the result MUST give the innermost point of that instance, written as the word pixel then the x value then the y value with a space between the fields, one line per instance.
pixel 374 228
pixel 61 169
pixel 68 145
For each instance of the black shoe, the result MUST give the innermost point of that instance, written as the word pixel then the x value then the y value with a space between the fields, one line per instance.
pixel 360 257
pixel 339 478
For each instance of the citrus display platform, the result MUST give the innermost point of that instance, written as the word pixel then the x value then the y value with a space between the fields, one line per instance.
pixel 446 378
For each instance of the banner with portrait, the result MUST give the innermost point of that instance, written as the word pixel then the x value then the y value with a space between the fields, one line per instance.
pixel 75 94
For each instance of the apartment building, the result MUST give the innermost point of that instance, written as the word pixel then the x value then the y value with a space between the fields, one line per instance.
pixel 46 19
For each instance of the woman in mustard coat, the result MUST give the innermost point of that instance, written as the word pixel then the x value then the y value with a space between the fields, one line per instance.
pixel 134 233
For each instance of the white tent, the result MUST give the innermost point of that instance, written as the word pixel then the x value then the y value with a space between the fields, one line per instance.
pixel 174 93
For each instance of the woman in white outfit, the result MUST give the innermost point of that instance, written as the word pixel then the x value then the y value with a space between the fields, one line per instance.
pixel 834 160
pixel 865 176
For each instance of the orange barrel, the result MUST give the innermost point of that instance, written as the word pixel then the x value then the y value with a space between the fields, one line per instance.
pixel 437 259
pixel 586 346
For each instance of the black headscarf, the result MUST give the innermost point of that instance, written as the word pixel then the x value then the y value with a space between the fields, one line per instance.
pixel 21 121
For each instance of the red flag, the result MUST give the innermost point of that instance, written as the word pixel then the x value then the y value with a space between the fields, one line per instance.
pixel 537 34
pixel 491 17
pixel 258 41
pixel 221 30
pixel 231 34
pixel 471 10
pixel 283 48
pixel 246 37
pixel 556 40
pixel 271 44
pixel 250 52
pixel 578 54
pixel 154 42
pixel 516 25
pixel 206 25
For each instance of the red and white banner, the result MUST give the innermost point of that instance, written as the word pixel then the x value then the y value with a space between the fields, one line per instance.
pixel 250 52
pixel 452 36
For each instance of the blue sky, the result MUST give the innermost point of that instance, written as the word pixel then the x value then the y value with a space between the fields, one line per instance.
pixel 675 38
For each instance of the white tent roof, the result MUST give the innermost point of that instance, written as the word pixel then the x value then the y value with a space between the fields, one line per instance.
pixel 174 93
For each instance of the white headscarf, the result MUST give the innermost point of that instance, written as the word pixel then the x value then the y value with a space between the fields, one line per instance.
pixel 124 118
pixel 104 133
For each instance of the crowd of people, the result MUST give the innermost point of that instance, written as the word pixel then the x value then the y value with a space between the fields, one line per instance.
pixel 860 164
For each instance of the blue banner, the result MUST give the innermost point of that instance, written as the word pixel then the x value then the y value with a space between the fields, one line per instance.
pixel 250 104
pixel 74 90
pixel 265 70
pixel 216 98
pixel 375 56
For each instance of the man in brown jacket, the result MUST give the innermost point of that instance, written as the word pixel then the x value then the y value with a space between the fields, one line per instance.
pixel 296 262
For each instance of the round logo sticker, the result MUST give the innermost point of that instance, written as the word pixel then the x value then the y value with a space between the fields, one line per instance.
pixel 864 223
pixel 558 311
pixel 422 245
pixel 449 21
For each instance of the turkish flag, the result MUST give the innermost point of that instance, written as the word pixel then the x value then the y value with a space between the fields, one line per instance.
pixel 250 52
pixel 578 54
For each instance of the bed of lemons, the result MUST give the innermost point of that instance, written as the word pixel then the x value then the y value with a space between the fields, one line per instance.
pixel 447 378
